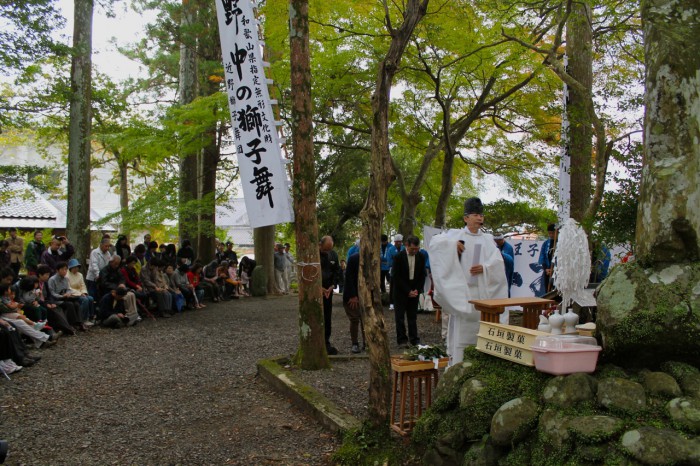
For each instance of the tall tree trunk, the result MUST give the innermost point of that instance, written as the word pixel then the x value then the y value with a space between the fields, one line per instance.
pixel 312 349
pixel 78 215
pixel 446 189
pixel 207 197
pixel 372 214
pixel 668 219
pixel 579 50
pixel 123 185
pixel 264 239
pixel 188 184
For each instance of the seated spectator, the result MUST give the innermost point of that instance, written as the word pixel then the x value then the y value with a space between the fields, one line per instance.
pixel 231 279
pixel 60 250
pixel 56 316
pixel 186 254
pixel 140 254
pixel 161 253
pixel 152 251
pixel 169 257
pixel 156 286
pixel 79 289
pixel 179 300
pixel 132 280
pixel 10 311
pixel 123 249
pixel 194 277
pixel 30 296
pixel 7 277
pixel 118 309
pixel 209 281
pixel 13 352
pixel 60 290
pixel 110 277
pixel 179 279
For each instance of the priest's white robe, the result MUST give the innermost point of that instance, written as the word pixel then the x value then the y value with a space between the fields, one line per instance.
pixel 454 289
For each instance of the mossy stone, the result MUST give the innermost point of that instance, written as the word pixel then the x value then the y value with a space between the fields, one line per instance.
pixel 653 446
pixel 554 427
pixel 604 371
pixel 685 412
pixel 649 316
pixel 484 453
pixel 690 384
pixel 470 389
pixel 596 429
pixel 679 369
pixel 623 395
pixel 565 391
pixel 452 378
pixel 661 384
pixel 513 421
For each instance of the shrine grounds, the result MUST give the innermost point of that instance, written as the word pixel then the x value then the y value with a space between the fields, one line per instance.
pixel 181 391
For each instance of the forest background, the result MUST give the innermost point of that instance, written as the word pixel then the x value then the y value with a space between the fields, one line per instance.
pixel 477 103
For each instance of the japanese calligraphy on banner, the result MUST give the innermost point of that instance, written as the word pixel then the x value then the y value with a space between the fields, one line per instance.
pixel 565 160
pixel 527 272
pixel 264 180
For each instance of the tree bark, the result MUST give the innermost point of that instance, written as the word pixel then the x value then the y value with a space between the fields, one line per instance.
pixel 372 215
pixel 78 215
pixel 312 349
pixel 668 219
pixel 264 239
pixel 123 184
pixel 188 183
pixel 579 50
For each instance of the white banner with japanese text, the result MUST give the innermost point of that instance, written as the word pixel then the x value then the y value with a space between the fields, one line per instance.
pixel 527 272
pixel 263 177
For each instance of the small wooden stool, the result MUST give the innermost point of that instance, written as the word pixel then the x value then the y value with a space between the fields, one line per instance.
pixel 409 384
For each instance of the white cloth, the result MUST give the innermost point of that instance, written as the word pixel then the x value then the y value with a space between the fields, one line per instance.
pixel 452 288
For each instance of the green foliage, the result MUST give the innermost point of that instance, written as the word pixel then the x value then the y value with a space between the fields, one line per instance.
pixel 371 446
pixel 505 216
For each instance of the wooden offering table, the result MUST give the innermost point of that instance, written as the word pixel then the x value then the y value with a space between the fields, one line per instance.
pixel 414 382
pixel 491 309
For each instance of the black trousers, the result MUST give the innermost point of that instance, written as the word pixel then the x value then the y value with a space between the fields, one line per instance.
pixel 382 282
pixel 406 310
pixel 12 346
pixel 327 316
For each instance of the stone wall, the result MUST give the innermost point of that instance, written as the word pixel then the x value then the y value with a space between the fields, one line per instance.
pixel 491 412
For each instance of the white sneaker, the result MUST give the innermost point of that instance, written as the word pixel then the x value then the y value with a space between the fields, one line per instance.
pixel 9 366
pixel 39 325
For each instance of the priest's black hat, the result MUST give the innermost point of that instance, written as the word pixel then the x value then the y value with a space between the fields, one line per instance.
pixel 473 205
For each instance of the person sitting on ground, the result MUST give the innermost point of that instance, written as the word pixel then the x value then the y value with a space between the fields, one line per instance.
pixel 209 281
pixel 10 311
pixel 140 254
pixel 186 254
pixel 194 277
pixel 32 255
pixel 55 315
pixel 170 256
pixel 227 273
pixel 123 249
pixel 178 298
pixel 229 254
pixel 99 258
pixel 7 276
pixel 14 354
pixel 118 309
pixel 110 277
pixel 152 250
pixel 60 250
pixel 60 290
pixel 30 295
pixel 179 279
pixel 157 288
pixel 86 303
pixel 161 252
pixel 132 280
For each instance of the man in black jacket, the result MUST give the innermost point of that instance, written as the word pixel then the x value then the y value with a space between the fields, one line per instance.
pixel 407 280
pixel 330 277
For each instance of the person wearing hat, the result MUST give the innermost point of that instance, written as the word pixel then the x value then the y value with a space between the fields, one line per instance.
pixel 466 265
pixel 79 289
pixel 508 257
pixel 546 258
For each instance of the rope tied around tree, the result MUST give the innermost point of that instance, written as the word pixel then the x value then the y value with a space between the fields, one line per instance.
pixel 316 266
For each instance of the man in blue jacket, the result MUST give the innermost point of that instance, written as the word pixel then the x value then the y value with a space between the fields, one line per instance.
pixel 508 257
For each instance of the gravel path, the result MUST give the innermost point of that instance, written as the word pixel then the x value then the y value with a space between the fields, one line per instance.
pixel 180 391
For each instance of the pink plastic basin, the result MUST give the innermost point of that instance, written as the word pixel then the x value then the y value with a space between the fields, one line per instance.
pixel 568 358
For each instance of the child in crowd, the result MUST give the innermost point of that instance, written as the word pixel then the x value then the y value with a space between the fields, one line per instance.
pixel 193 276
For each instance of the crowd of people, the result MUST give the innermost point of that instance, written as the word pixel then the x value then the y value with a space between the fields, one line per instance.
pixel 120 287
